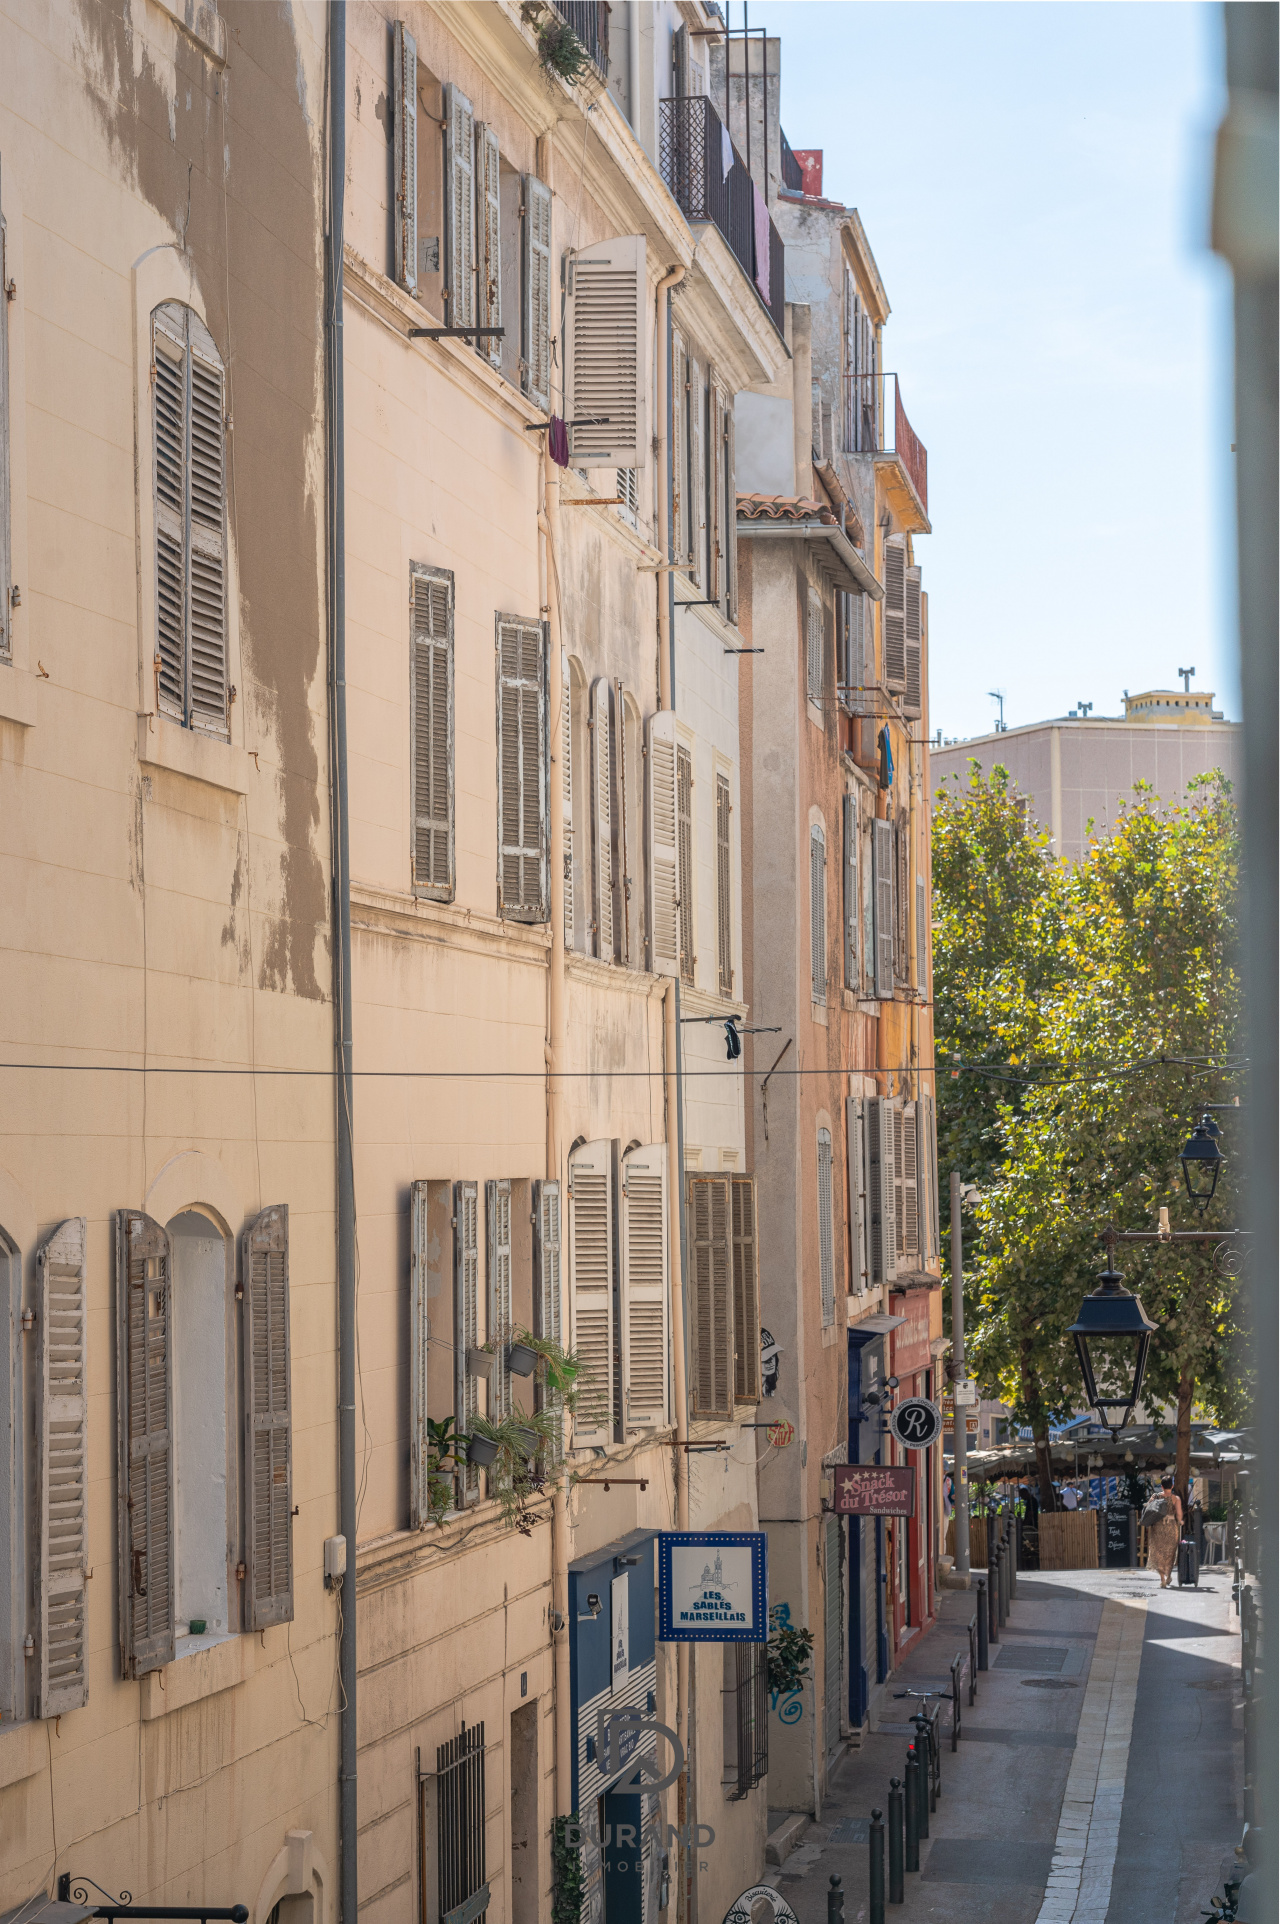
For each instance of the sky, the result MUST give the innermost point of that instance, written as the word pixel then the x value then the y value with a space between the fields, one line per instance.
pixel 1034 179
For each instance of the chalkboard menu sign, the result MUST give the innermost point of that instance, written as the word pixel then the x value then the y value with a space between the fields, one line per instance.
pixel 1120 1536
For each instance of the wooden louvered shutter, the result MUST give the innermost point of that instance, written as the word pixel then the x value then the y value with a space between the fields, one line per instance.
pixel 459 208
pixel 724 886
pixel 535 319
pixel 466 1320
pixel 697 473
pixel 851 891
pixel 144 1402
pixel 489 223
pixel 814 649
pixel 645 1289
pixel 818 913
pixel 498 1324
pixel 684 862
pixel 207 669
pixel 711 1367
pixel 746 1290
pixel 826 1231
pixel 899 1167
pixel 431 670
pixel 681 63
pixel 522 770
pixel 900 898
pixel 731 514
pixel 624 826
pixel 63 1471
pixel 268 1419
pixel 715 490
pixel 929 1163
pixel 548 1285
pixel 922 936
pixel 882 895
pixel 679 454
pixel 169 421
pixel 605 375
pixel 895 613
pixel 419 1353
pixel 882 1231
pixel 405 108
pixel 566 793
pixel 909 1173
pixel 602 810
pixel 664 859
pixel 855 1130
pixel 591 1289
pixel 911 669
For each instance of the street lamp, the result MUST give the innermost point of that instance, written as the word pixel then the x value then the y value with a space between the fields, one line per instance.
pixel 1113 1334
pixel 1202 1162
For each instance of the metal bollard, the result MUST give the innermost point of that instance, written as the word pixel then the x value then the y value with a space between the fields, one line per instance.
pixel 835 1898
pixel 896 1840
pixel 984 1659
pixel 924 1782
pixel 876 1893
pixel 1002 1584
pixel 1015 1561
pixel 913 1810
pixel 993 1602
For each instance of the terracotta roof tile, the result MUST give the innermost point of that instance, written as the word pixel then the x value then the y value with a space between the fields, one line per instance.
pixel 784 507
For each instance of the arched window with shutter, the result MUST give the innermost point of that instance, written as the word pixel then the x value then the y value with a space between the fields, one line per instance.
pixel 188 416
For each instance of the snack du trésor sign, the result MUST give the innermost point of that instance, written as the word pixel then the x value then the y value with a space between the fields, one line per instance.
pixel 875 1489
pixel 712 1586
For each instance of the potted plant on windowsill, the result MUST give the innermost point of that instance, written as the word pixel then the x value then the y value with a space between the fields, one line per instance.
pixel 514 1450
pixel 444 1447
pixel 557 1370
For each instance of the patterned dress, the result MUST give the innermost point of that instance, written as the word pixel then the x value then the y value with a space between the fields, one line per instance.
pixel 1162 1547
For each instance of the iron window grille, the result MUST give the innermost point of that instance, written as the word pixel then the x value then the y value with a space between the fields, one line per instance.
pixel 751 1708
pixel 463 1893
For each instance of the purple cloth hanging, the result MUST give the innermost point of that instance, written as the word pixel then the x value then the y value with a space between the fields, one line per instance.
pixel 558 442
pixel 762 243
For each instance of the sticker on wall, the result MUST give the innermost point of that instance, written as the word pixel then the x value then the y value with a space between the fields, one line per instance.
pixel 770 1355
pixel 712 1586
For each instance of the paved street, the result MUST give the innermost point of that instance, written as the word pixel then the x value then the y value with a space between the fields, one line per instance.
pixel 1098 1777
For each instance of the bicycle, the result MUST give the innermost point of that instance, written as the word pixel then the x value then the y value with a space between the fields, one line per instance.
pixel 927 1729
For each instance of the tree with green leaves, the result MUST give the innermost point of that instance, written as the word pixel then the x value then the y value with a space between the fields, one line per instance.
pixel 1085 1012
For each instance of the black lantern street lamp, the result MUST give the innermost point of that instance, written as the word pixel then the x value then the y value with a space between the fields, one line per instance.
pixel 1202 1162
pixel 1113 1334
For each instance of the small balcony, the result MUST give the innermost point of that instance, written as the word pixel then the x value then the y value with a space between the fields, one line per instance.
pixel 875 422
pixel 590 21
pixel 709 181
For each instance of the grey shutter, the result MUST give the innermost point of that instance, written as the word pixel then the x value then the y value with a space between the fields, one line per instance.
pixel 535 321
pixel 144 1413
pixel 268 1419
pixel 63 1472
pixel 405 109
pixel 684 864
pixel 591 1289
pixel 459 208
pixel 711 1368
pixel 897 1132
pixel 522 770
pixel 629 946
pixel 912 654
pixel 466 1320
pixel 746 1290
pixel 731 514
pixel 431 672
pixel 882 895
pixel 833 1632
pixel 645 1293
pixel 855 1133
pixel 548 1286
pixel 697 473
pixel 169 424
pixel 498 1214
pixel 664 857
pixel 901 965
pixel 605 375
pixel 910 1177
pixel 679 454
pixel 817 914
pixel 489 223
pixel 826 1230
pixel 895 613
pixel 207 663
pixel 602 809
pixel 922 936
pixel 724 890
pixel 882 1231
pixel 566 793
pixel 715 491
pixel 851 892
pixel 419 1353
pixel 680 63
pixel 814 649
pixel 929 1155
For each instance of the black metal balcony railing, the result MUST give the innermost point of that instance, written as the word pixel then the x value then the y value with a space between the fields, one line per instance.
pixel 590 21
pixel 792 172
pixel 693 149
pixel 873 426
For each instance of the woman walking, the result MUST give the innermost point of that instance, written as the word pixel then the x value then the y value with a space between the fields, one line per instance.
pixel 1163 1520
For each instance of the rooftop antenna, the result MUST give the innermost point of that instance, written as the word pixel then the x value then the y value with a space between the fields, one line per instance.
pixel 1086 707
pixel 997 694
pixel 1186 674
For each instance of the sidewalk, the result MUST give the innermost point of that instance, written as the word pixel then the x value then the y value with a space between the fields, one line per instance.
pixel 1097 1778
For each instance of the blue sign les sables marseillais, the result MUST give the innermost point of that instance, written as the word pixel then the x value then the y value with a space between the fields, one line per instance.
pixel 713 1586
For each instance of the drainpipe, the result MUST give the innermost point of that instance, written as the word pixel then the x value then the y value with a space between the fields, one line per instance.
pixel 346 1197
pixel 666 506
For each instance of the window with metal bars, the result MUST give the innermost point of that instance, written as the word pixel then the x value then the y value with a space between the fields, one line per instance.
pixel 684 853
pixel 462 1892
pixel 724 873
pixel 188 430
pixel 746 1717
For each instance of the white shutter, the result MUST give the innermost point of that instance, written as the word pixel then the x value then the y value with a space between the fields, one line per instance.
pixel 910 1178
pixel 664 860
pixel 628 905
pixel 855 1128
pixel 922 936
pixel 911 669
pixel 882 896
pixel 697 473
pixel 645 1289
pixel 499 1330
pixel 882 1232
pixel 63 1471
pixel 711 1366
pixel 606 334
pixel 144 1415
pixel 716 495
pixel 684 863
pixel 548 1285
pixel 813 651
pixel 535 329
pixel 405 107
pixel 851 891
pixel 489 222
pixel 268 1419
pixel 566 792
pixel 189 427
pixel 746 1290
pixel 895 612
pixel 431 711
pixel 207 668
pixel 724 886
pixel 731 515
pixel 419 1352
pixel 898 1166
pixel 522 770
pixel 459 207
pixel 602 807
pixel 679 454
pixel 818 914
pixel 826 1230
pixel 169 421
pixel 591 1289
pixel 466 1320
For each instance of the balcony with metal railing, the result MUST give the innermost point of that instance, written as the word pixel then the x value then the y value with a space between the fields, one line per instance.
pixel 875 422
pixel 709 181
pixel 590 21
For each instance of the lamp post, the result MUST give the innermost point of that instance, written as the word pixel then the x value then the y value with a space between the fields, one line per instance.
pixel 1112 1334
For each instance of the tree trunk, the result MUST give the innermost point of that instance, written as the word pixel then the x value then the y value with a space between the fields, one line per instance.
pixel 1182 1455
pixel 1039 1429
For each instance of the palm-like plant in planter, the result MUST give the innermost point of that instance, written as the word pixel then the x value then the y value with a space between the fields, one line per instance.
pixel 515 1451
pixel 445 1446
